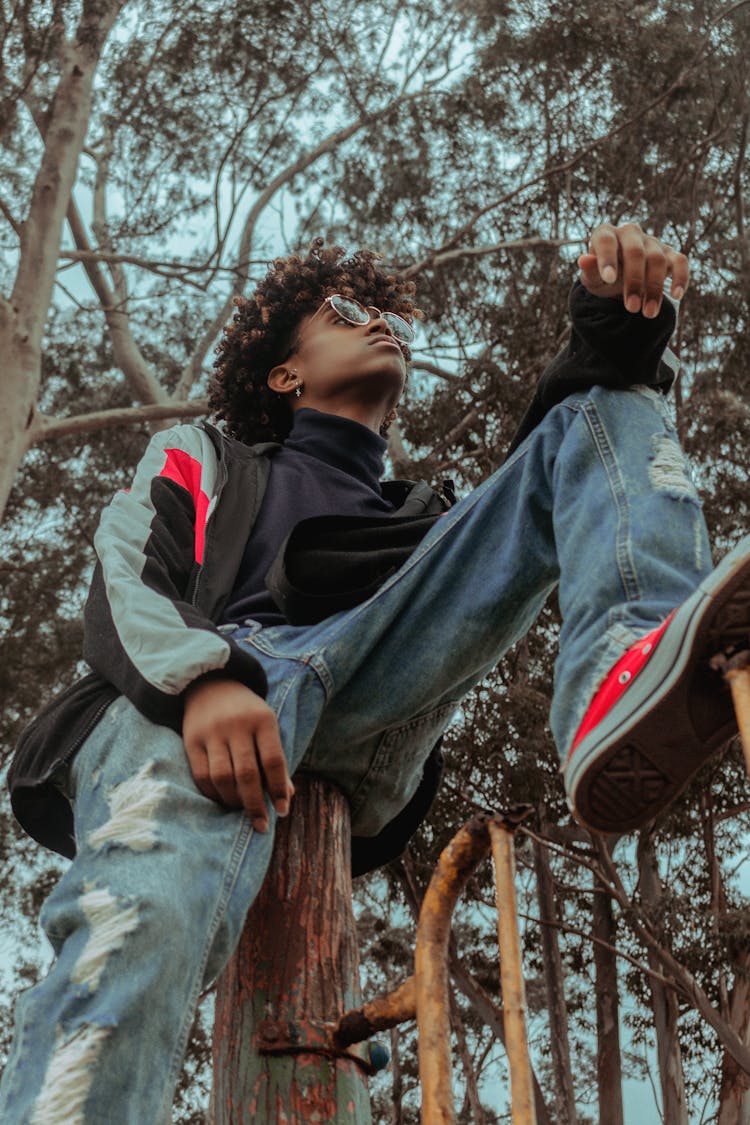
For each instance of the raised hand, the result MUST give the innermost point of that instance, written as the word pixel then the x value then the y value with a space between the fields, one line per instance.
pixel 624 261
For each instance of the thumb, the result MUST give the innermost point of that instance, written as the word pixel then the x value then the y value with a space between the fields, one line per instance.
pixel 589 270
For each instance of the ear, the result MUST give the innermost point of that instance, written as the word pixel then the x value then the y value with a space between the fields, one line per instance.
pixel 283 380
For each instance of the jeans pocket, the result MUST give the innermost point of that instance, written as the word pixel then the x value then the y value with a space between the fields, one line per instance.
pixel 395 769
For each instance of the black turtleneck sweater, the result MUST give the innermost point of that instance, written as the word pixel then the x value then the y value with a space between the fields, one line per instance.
pixel 327 466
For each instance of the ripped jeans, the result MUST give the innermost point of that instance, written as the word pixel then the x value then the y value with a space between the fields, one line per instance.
pixel 597 498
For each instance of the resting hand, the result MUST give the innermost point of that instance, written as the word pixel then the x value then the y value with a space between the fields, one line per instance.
pixel 623 261
pixel 233 748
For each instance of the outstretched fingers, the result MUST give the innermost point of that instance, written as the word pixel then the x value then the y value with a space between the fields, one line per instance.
pixel 625 261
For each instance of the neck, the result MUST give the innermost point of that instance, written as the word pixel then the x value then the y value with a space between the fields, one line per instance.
pixel 367 414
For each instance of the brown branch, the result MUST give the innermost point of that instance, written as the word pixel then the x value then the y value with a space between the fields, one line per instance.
pixel 63 140
pixel 178 269
pixel 470 1074
pixel 127 354
pixel 402 463
pixel 45 427
pixel 564 928
pixel 510 244
pixel 8 214
pixel 100 225
pixel 738 195
pixel 480 1000
pixel 433 369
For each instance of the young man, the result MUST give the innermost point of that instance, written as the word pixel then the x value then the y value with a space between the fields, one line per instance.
pixel 263 604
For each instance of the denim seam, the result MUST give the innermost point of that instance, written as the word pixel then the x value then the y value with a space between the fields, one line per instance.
pixel 374 770
pixel 625 564
pixel 307 660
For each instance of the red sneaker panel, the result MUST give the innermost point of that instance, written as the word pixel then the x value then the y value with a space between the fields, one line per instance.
pixel 618 680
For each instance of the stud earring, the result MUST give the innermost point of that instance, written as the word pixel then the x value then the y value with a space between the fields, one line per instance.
pixel 298 388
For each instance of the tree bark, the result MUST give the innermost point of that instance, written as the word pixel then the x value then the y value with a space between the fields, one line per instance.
pixel 663 1000
pixel 565 1102
pixel 23 316
pixel 297 960
pixel 608 1059
pixel 734 1092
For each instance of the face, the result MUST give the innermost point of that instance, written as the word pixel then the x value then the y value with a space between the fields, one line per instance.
pixel 337 362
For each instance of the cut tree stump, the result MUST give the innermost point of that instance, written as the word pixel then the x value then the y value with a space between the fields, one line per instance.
pixel 296 967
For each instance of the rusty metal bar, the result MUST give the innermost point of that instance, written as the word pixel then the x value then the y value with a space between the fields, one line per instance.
pixel 377 1015
pixel 426 993
pixel 511 975
pixel 456 865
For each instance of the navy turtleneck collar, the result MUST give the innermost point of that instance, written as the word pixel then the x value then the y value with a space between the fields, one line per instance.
pixel 339 442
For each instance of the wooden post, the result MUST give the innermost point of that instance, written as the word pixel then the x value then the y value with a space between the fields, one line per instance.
pixel 739 683
pixel 296 966
pixel 511 976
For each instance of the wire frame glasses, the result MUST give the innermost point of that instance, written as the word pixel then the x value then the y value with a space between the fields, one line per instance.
pixel 355 313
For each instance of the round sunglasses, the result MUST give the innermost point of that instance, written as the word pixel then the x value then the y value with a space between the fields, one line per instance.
pixel 350 310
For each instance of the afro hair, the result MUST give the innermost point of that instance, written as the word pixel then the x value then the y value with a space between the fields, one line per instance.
pixel 262 332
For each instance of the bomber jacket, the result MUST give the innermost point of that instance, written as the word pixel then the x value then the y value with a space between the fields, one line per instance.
pixel 169 550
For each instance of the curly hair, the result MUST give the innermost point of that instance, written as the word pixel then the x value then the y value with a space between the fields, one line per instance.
pixel 263 330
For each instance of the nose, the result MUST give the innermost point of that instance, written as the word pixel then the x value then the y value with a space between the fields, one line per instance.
pixel 377 322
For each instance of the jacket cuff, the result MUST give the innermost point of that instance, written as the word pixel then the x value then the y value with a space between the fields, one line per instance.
pixel 629 345
pixel 241 666
pixel 608 347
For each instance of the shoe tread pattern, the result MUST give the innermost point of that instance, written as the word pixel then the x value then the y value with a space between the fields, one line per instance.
pixel 626 787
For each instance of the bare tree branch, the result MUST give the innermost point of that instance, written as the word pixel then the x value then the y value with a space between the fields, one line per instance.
pixel 684 978
pixel 402 463
pixel 128 355
pixel 45 427
pixel 7 213
pixel 192 369
pixel 23 318
pixel 511 244
pixel 433 369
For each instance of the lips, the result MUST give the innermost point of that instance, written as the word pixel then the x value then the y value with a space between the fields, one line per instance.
pixel 387 340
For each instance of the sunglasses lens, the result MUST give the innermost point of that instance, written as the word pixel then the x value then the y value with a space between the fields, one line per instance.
pixel 355 313
pixel 400 328
pixel 350 310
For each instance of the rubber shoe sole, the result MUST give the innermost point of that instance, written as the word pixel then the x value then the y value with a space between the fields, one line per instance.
pixel 676 714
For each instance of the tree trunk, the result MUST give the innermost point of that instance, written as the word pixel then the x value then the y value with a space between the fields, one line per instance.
pixel 473 1110
pixel 608 1060
pixel 297 960
pixel 23 316
pixel 734 1093
pixel 663 1000
pixel 565 1102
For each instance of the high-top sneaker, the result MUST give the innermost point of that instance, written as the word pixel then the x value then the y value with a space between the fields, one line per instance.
pixel 663 710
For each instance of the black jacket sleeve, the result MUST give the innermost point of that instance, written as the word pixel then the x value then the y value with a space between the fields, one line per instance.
pixel 608 347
